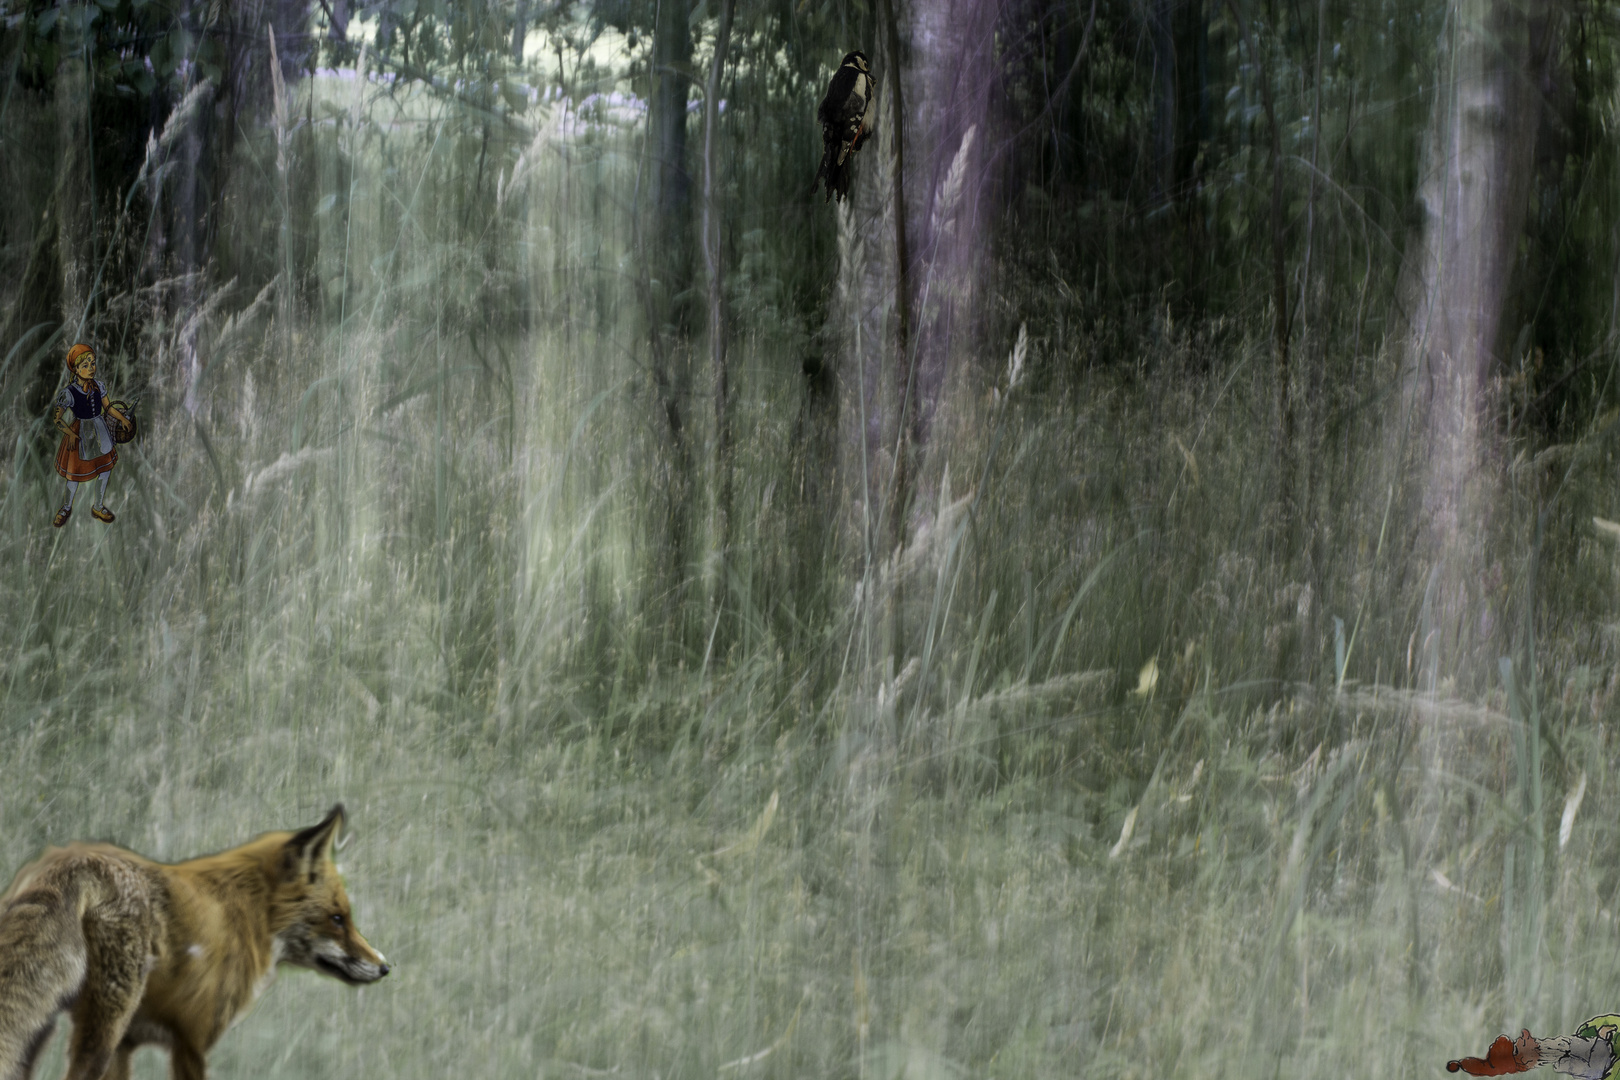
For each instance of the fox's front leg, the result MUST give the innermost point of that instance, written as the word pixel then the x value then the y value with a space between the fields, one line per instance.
pixel 186 1063
pixel 119 1070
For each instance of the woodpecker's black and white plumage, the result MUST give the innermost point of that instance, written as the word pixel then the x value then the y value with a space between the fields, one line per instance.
pixel 843 123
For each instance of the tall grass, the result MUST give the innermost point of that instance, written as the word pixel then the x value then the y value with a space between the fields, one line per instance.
pixel 1122 809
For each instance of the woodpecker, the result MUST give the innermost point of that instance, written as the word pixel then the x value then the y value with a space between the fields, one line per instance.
pixel 843 123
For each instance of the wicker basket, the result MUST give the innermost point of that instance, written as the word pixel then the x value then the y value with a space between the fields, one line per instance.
pixel 125 431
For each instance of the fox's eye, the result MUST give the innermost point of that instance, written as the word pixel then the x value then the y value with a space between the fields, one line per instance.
pixel 337 919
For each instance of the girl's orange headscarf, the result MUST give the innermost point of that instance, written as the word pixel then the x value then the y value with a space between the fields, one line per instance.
pixel 81 349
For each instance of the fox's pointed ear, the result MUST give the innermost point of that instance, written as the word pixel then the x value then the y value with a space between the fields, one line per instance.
pixel 309 849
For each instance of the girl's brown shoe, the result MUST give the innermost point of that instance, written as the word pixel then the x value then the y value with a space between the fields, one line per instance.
pixel 62 515
pixel 102 514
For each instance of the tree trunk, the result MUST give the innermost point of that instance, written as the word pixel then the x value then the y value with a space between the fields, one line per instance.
pixel 1480 160
pixel 1164 100
pixel 717 322
pixel 38 313
pixel 338 29
pixel 75 193
pixel 905 411
pixel 666 300
pixel 1281 311
pixel 1474 195
pixel 911 249
pixel 672 191
pixel 520 30
pixel 280 123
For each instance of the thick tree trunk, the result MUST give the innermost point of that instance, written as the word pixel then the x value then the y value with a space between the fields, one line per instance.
pixel 863 317
pixel 1474 196
pixel 911 248
pixel 1480 159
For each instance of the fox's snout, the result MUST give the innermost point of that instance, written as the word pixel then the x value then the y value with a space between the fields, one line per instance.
pixel 356 964
pixel 377 964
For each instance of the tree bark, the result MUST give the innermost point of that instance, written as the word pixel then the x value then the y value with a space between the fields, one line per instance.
pixel 666 300
pixel 1282 329
pixel 520 30
pixel 38 313
pixel 1474 196
pixel 1164 100
pixel 1479 161
pixel 717 320
pixel 280 122
pixel 905 412
pixel 74 194
pixel 672 192
pixel 912 247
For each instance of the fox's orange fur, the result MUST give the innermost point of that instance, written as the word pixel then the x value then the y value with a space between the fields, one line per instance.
pixel 139 952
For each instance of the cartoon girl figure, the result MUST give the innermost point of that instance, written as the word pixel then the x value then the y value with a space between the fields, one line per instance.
pixel 87 450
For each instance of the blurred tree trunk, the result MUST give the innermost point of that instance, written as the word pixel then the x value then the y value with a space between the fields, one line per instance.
pixel 74 176
pixel 520 30
pixel 864 289
pixel 672 192
pixel 668 299
pixel 305 193
pixel 905 392
pixel 1475 194
pixel 912 249
pixel 281 124
pixel 297 178
pixel 717 320
pixel 203 155
pixel 1161 20
pixel 38 308
pixel 338 29
pixel 1281 309
pixel 814 533
pixel 1198 130
pixel 864 317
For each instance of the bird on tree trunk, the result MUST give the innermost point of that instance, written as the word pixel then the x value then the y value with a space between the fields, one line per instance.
pixel 843 123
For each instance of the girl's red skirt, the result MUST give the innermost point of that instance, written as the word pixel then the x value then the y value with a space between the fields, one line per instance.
pixel 71 467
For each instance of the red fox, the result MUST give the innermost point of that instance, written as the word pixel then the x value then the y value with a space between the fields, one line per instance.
pixel 140 953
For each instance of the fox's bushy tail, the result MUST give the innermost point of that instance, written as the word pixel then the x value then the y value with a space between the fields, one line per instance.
pixel 42 963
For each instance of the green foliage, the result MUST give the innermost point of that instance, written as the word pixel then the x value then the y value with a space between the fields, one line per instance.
pixel 135 49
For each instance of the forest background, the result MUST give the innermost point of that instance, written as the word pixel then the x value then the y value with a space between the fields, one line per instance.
pixel 1129 593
